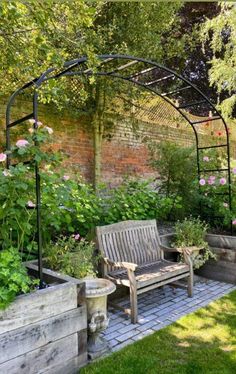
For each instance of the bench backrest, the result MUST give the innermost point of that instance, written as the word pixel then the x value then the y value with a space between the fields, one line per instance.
pixel 130 241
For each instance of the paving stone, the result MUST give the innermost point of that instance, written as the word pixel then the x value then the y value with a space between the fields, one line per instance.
pixel 114 327
pixel 144 319
pixel 128 335
pixel 127 328
pixel 122 345
pixel 113 343
pixel 145 326
pixel 142 334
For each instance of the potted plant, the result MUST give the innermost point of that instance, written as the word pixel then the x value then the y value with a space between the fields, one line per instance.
pixel 190 236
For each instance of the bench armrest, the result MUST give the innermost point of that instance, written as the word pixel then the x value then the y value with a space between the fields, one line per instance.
pixel 168 249
pixel 186 252
pixel 121 264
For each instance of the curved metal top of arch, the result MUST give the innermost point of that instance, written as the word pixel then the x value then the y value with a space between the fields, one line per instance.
pixel 179 92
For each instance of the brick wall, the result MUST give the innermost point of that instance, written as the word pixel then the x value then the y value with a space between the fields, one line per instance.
pixel 124 151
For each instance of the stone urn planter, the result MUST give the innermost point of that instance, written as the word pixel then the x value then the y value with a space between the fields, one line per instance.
pixel 97 290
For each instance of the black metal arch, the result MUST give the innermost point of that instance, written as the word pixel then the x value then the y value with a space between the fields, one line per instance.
pixel 144 73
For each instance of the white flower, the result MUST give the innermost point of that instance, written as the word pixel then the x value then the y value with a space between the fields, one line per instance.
pixel 49 130
pixel 30 204
pixel 7 173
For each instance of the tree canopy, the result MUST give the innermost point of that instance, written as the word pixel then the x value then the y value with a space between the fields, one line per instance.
pixel 35 35
pixel 219 34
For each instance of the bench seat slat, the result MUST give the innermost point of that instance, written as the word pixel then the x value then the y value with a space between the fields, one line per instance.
pixel 151 273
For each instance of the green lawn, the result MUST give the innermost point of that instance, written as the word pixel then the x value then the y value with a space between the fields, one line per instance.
pixel 203 342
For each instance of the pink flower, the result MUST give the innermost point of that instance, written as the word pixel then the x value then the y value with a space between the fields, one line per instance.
pixel 3 157
pixel 39 123
pixel 77 236
pixel 234 170
pixel 66 177
pixel 6 173
pixel 206 158
pixel 212 177
pixel 234 222
pixel 22 143
pixel 211 181
pixel 222 181
pixel 30 204
pixel 225 205
pixel 49 130
pixel 202 182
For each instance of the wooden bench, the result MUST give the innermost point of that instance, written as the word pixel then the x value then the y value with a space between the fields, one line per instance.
pixel 133 256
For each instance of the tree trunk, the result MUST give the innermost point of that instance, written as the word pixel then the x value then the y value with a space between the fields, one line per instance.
pixel 98 131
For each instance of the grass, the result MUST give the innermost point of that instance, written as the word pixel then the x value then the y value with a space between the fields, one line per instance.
pixel 203 342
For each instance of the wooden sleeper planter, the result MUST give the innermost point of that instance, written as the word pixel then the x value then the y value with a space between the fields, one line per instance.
pixel 45 331
pixel 224 267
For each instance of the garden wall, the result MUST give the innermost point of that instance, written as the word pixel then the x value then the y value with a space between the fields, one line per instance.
pixel 124 151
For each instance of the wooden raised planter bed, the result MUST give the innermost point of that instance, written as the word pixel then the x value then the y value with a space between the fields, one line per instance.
pixel 224 267
pixel 45 331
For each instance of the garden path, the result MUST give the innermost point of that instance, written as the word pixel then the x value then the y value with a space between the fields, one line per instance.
pixel 159 308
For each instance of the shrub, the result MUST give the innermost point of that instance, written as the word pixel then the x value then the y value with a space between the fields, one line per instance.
pixel 13 277
pixel 136 200
pixel 177 170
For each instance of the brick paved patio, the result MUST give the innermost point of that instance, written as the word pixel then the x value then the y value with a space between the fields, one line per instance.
pixel 159 308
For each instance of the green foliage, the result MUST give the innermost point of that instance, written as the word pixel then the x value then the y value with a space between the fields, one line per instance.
pixel 13 277
pixel 176 168
pixel 35 35
pixel 220 34
pixel 68 205
pixel 191 232
pixel 137 200
pixel 72 255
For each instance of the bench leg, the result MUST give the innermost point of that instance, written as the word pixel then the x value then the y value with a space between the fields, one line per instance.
pixel 133 305
pixel 133 297
pixel 190 285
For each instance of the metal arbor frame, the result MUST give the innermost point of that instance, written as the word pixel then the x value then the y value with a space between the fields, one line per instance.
pixel 181 94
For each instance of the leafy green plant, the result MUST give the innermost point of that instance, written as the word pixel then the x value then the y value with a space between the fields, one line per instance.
pixel 137 200
pixel 13 277
pixel 176 168
pixel 72 255
pixel 191 232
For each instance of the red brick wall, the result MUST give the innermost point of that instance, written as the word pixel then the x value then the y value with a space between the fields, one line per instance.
pixel 123 153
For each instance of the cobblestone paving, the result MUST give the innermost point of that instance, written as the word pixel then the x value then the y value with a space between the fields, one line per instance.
pixel 159 308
